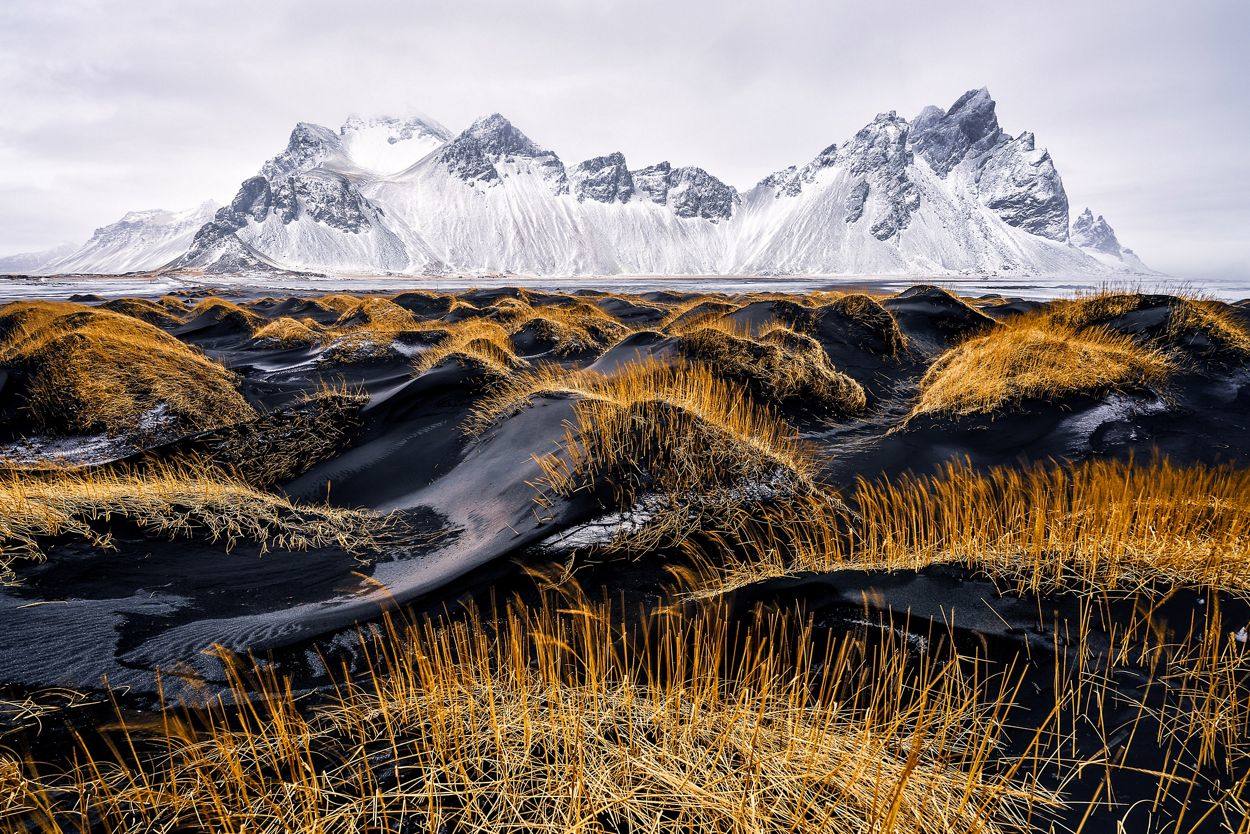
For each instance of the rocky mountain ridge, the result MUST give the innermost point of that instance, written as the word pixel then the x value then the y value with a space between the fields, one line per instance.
pixel 947 192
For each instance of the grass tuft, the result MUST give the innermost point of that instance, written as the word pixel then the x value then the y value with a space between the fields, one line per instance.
pixel 780 365
pixel 558 721
pixel 1030 358
pixel 1193 325
pixel 85 370
pixel 171 502
pixel 475 340
pixel 1098 526
pixel 287 332
pixel 675 442
pixel 227 312
pixel 144 309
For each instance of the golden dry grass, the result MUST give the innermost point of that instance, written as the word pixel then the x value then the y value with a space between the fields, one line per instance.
pixel 691 388
pixel 145 309
pixel 779 365
pixel 280 445
pixel 1096 526
pixel 341 303
pixel 85 370
pixel 18 796
pixel 1202 326
pixel 221 310
pixel 1032 358
pixel 678 439
pixel 169 502
pixel 377 314
pixel 553 721
pixel 288 332
pixel 478 341
pixel 367 328
pixel 431 304
pixel 696 311
pixel 569 327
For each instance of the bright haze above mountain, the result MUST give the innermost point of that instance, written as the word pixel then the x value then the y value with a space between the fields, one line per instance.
pixel 113 107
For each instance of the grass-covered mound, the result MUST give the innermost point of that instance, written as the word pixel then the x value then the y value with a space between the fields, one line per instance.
pixel 674 443
pixel 935 319
pixel 476 342
pixel 85 370
pixel 141 308
pixel 170 502
pixel 1035 358
pixel 858 321
pixel 379 315
pixel 227 315
pixel 425 304
pixel 286 332
pixel 564 326
pixel 779 365
pixel 277 446
pixel 1195 327
pixel 366 330
pixel 696 311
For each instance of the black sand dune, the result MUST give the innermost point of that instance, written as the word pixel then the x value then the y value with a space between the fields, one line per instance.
pixel 395 442
pixel 163 604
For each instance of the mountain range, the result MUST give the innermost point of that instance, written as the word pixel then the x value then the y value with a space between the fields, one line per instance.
pixel 948 191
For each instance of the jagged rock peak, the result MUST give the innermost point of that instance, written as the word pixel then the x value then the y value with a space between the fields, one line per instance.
pixel 605 179
pixel 1022 186
pixel 473 154
pixel 652 181
pixel 790 181
pixel 688 191
pixel 1089 232
pixel 496 136
pixel 882 142
pixel 946 138
pixel 309 145
pixel 879 155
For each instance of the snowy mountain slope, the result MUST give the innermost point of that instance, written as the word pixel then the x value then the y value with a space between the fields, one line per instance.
pixel 141 240
pixel 305 208
pixel 31 263
pixel 1096 238
pixel 954 195
pixel 946 192
pixel 494 200
pixel 386 145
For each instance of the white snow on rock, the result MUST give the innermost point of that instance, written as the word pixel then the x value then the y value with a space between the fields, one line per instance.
pixel 1096 238
pixel 387 145
pixel 947 193
pixel 141 240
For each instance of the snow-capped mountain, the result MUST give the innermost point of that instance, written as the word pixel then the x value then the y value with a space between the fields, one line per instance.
pixel 30 263
pixel 948 191
pixel 1097 238
pixel 141 240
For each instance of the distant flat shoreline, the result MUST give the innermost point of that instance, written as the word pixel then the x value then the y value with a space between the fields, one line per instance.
pixel 1031 287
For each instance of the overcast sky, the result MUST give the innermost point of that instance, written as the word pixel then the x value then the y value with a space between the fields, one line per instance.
pixel 111 106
